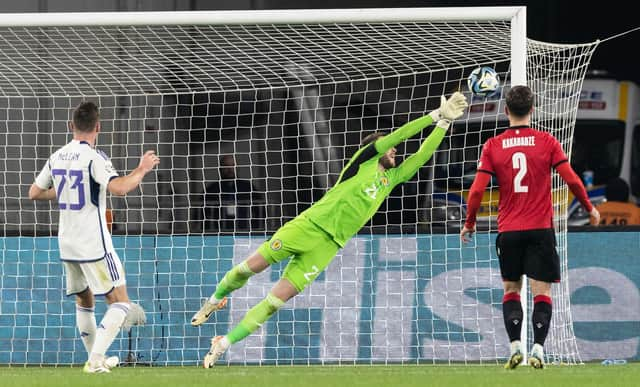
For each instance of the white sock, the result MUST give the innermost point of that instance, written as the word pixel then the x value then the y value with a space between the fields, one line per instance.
pixel 515 346
pixel 108 329
pixel 86 323
pixel 537 349
pixel 213 299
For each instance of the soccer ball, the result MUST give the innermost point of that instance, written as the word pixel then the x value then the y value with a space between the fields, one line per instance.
pixel 483 81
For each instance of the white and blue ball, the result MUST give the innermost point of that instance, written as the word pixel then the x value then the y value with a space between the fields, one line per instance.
pixel 483 81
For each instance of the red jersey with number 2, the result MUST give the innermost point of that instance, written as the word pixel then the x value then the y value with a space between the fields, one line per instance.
pixel 521 158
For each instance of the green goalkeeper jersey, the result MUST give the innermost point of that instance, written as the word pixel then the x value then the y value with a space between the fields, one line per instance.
pixel 363 186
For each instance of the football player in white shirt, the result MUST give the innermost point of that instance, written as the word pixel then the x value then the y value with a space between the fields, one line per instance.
pixel 78 177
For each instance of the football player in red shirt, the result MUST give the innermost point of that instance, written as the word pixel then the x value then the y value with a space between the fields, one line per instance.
pixel 521 159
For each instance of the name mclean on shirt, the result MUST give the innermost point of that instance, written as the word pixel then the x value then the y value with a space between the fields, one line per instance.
pixel 69 156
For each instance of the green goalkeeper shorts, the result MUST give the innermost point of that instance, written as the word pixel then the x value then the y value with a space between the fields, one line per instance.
pixel 311 250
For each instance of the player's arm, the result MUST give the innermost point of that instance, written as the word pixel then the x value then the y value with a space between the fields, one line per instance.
pixel 122 185
pixel 577 188
pixel 42 188
pixel 480 182
pixel 449 110
pixel 474 199
pixel 560 162
pixel 37 193
pixel 410 166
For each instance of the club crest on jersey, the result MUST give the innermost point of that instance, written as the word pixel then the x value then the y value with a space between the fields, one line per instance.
pixel 384 181
pixel 276 245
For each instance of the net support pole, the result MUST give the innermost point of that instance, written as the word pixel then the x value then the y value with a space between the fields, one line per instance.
pixel 519 77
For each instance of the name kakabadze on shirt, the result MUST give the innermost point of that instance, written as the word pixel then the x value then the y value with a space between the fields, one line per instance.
pixel 518 141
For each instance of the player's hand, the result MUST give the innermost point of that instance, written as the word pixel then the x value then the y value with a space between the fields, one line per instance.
pixel 595 216
pixel 466 233
pixel 451 108
pixel 148 161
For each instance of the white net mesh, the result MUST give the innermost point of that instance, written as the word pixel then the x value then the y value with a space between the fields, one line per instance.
pixel 253 124
pixel 557 95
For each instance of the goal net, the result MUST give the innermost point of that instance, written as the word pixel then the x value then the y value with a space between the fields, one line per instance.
pixel 253 115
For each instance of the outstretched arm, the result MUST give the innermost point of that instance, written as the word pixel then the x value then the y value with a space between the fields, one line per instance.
pixel 410 166
pixel 449 110
pixel 404 132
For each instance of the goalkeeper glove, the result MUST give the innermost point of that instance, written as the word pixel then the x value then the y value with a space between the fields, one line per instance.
pixel 449 109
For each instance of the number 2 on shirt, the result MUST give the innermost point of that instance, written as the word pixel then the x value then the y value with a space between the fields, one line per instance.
pixel 519 161
pixel 77 185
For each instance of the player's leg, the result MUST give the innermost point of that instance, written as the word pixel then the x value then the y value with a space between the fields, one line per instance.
pixel 270 252
pixel 301 270
pixel 508 246
pixel 111 322
pixel 512 315
pixel 85 303
pixel 238 276
pixel 234 279
pixel 106 277
pixel 282 291
pixel 541 319
pixel 543 268
pixel 86 318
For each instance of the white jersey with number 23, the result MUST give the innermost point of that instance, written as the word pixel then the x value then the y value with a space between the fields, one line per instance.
pixel 80 175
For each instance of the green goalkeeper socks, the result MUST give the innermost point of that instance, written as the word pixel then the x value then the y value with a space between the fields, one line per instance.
pixel 234 279
pixel 255 317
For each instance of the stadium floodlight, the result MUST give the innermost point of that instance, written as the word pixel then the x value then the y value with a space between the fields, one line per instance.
pixel 289 93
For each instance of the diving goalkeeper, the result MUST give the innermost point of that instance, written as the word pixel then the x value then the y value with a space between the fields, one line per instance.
pixel 313 238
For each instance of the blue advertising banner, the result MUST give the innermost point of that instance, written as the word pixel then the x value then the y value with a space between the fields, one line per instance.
pixel 383 299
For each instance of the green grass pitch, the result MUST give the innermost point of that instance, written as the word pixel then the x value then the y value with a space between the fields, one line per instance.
pixel 627 375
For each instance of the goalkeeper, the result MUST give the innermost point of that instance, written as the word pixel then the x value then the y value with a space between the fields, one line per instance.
pixel 313 238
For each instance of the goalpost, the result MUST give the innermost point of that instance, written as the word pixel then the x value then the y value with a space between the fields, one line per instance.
pixel 289 94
